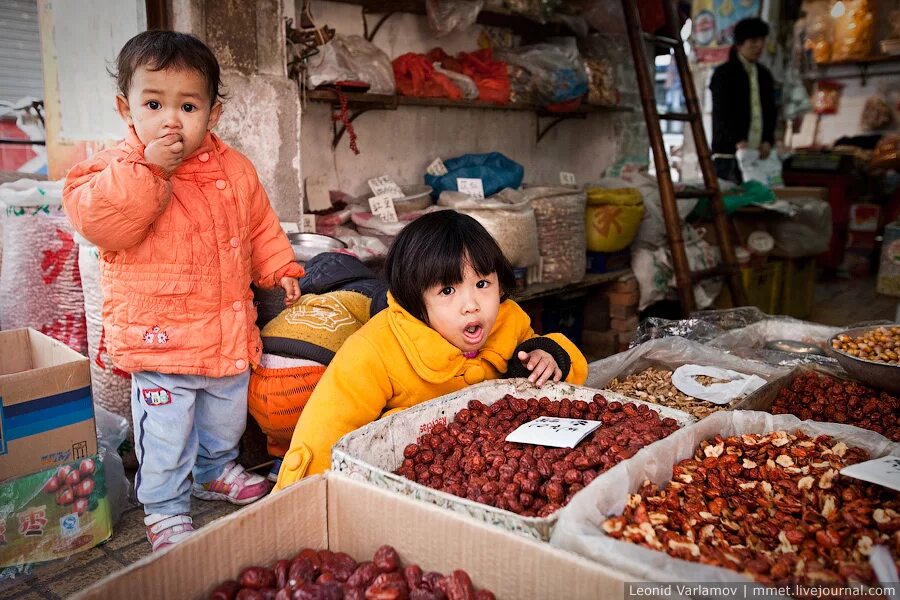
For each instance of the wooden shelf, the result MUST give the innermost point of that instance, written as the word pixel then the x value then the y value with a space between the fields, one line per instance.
pixel 544 290
pixel 388 102
pixel 821 69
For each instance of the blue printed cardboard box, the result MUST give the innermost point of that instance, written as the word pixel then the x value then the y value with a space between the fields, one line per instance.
pixel 46 409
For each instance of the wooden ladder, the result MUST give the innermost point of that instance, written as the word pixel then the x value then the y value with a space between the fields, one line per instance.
pixel 684 277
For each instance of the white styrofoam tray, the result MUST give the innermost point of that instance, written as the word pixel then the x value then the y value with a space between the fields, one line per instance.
pixel 373 452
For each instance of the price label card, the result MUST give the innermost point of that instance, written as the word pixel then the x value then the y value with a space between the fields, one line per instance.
pixel 308 223
pixel 884 471
pixel 437 168
pixel 383 206
pixel 567 178
pixel 384 185
pixel 472 187
pixel 553 431
pixel 317 195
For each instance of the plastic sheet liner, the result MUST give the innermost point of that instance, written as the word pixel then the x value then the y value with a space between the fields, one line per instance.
pixel 579 526
pixel 750 341
pixel 671 353
pixel 373 452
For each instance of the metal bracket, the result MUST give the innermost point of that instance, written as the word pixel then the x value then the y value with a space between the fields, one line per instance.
pixel 556 120
pixel 371 35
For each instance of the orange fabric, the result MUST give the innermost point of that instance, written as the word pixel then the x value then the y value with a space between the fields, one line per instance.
pixel 177 255
pixel 276 399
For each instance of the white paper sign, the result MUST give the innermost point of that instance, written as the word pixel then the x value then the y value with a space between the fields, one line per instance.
pixel 884 471
pixel 472 187
pixel 566 178
pixel 553 431
pixel 317 195
pixel 437 168
pixel 383 206
pixel 384 185
pixel 308 223
pixel 290 227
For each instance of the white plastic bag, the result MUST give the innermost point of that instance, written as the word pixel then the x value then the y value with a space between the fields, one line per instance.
pixel 579 526
pixel 466 84
pixel 352 58
pixel 765 170
pixel 112 430
pixel 446 16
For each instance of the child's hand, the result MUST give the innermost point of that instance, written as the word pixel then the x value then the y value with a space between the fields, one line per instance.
pixel 291 289
pixel 542 366
pixel 166 152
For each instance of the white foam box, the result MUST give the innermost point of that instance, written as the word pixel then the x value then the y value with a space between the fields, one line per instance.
pixel 342 515
pixel 374 452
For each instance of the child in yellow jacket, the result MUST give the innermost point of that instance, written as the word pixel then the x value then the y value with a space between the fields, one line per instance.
pixel 448 325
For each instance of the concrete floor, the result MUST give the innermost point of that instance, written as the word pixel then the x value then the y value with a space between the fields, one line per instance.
pixel 838 302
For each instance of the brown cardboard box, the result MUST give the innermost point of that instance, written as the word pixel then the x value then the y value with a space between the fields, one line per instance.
pixel 46 407
pixel 340 514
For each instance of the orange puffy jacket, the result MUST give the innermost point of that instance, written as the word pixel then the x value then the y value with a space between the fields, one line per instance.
pixel 177 255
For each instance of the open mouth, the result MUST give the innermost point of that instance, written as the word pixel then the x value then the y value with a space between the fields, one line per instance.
pixel 473 333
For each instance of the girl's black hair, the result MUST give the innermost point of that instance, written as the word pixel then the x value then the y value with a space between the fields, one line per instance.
pixel 432 250
pixel 160 50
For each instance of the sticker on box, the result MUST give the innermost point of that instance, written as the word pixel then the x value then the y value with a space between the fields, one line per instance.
pixel 553 431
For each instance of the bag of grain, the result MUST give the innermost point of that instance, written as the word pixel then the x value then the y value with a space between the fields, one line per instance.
pixel 559 214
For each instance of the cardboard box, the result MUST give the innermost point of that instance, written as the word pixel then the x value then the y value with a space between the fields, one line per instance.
pixel 42 517
pixel 336 513
pixel 373 452
pixel 46 407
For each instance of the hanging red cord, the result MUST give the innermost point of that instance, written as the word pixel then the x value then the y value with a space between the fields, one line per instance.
pixel 344 117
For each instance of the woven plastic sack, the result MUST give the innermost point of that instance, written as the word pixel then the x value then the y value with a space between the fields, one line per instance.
pixel 40 284
pixel 559 213
pixel 613 218
pixel 508 217
pixel 110 386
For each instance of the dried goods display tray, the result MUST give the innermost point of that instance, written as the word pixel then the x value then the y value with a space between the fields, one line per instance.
pixel 579 527
pixel 373 452
pixel 763 398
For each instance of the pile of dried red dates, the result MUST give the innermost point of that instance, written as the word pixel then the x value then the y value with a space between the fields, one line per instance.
pixel 823 398
pixel 772 507
pixel 469 457
pixel 326 575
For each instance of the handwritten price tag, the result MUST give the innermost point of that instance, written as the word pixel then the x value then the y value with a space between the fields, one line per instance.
pixel 384 185
pixel 567 178
pixel 437 168
pixel 884 471
pixel 553 431
pixel 383 206
pixel 290 227
pixel 308 223
pixel 472 187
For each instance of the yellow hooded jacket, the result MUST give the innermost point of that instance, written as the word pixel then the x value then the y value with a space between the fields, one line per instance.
pixel 393 362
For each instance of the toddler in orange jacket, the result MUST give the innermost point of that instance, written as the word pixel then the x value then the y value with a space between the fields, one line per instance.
pixel 183 226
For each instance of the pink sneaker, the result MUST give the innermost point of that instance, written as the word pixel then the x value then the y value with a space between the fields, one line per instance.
pixel 167 530
pixel 234 485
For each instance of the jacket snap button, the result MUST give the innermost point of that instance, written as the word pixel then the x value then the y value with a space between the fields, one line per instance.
pixel 235 242
pixel 220 183
pixel 241 364
pixel 237 305
pixel 204 157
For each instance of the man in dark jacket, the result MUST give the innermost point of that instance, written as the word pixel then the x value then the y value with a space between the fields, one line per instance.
pixel 743 94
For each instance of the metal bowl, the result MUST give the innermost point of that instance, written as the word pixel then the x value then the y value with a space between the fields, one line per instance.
pixel 875 374
pixel 415 197
pixel 307 245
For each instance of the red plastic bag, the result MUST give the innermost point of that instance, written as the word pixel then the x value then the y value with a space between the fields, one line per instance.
pixel 415 76
pixel 491 76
